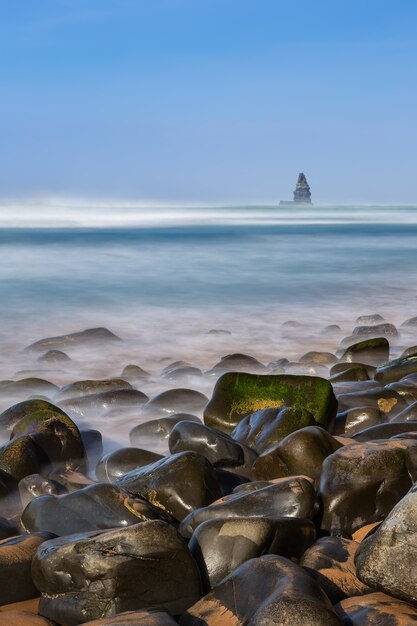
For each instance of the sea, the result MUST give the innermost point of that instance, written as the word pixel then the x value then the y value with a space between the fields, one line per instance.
pixel 162 276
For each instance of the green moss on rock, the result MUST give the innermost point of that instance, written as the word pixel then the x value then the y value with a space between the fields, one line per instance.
pixel 239 394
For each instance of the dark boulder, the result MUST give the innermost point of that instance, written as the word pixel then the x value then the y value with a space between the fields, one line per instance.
pixel 16 556
pixel 175 401
pixel 302 452
pixel 92 387
pixel 395 370
pixel 154 432
pixel 370 351
pixel 115 464
pixel 361 482
pixel 221 545
pixel 91 336
pixel 331 562
pixel 284 497
pixel 96 507
pixel 97 575
pixel 262 592
pixel 178 484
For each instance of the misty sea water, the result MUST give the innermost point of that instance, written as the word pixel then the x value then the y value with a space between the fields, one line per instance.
pixel 162 277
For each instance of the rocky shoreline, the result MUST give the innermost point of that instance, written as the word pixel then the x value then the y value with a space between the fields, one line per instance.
pixel 285 495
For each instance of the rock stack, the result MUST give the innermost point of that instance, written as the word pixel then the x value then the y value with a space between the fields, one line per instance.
pixel 302 193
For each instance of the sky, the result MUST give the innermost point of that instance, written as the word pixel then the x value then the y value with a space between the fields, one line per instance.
pixel 209 100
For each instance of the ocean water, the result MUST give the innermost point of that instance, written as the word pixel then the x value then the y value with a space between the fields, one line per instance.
pixel 162 276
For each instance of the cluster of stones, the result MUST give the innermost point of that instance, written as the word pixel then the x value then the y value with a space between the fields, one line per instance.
pixel 293 501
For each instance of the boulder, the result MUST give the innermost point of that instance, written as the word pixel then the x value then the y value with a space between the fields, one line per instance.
pixel 361 482
pixel 56 435
pixel 21 457
pixel 261 592
pixel 395 370
pixel 97 507
pixel 331 562
pixel 218 447
pixel 115 464
pixel 283 497
pixel 16 556
pixel 96 575
pixel 221 545
pixel 174 401
pixel 263 429
pixel 375 609
pixel 177 484
pixel 237 395
pixel 301 452
pixel 91 336
pixel 92 388
pixel 386 559
pixel 154 432
pixel 370 351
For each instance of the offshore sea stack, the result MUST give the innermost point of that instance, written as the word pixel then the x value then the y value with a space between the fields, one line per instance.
pixel 302 194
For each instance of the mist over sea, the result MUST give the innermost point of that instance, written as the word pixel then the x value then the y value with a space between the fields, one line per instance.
pixel 162 276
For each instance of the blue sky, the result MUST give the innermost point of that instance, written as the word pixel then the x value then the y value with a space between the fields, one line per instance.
pixel 209 100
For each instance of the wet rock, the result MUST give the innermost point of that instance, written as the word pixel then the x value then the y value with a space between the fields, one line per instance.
pixel 180 369
pixel 91 336
pixel 175 401
pixel 237 363
pixel 92 387
pixel 8 529
pixel 218 448
pixel 361 482
pixel 263 591
pixel 16 556
pixel 365 531
pixel 134 373
pixel 355 420
pixel 375 609
pixel 320 358
pixel 70 480
pixel 115 464
pixel 146 617
pixel 375 330
pixel 331 562
pixel 22 457
pixel 367 320
pixel 15 413
pixel 406 387
pixel 114 401
pixel 264 429
pixel 93 445
pixel 56 435
pixel 395 370
pixel 302 452
pixel 284 497
pixel 385 431
pixel 388 401
pixel 355 373
pixel 330 329
pixel 411 323
pixel 35 485
pixel 54 356
pixel 155 431
pixel 410 351
pixel 28 387
pixel 341 367
pixel 237 395
pixel 219 331
pixel 9 498
pixel 96 507
pixel 94 576
pixel 386 560
pixel 370 351
pixel 407 414
pixel 177 484
pixel 221 545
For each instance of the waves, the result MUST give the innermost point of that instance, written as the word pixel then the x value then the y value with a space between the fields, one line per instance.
pixel 93 213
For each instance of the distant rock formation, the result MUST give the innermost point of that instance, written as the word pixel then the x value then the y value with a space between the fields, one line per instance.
pixel 302 194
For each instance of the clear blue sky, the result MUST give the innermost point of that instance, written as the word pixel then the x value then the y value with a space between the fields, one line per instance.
pixel 209 100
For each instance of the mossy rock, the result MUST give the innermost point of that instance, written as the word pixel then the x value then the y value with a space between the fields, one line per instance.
pixel 238 394
pixel 56 435
pixel 14 413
